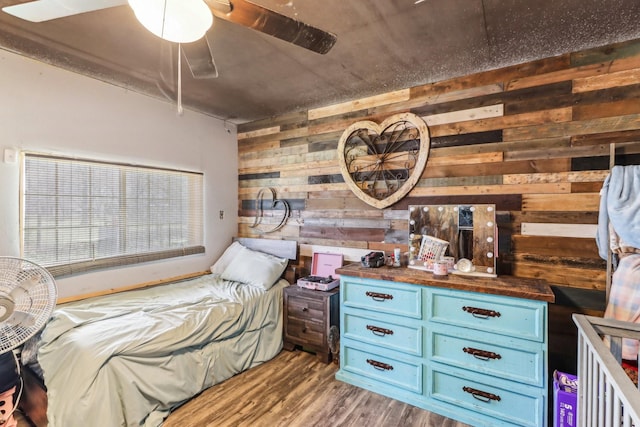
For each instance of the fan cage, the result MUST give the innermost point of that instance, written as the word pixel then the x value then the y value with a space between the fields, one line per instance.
pixel 31 293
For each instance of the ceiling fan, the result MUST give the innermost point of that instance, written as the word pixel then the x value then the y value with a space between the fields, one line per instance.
pixel 196 48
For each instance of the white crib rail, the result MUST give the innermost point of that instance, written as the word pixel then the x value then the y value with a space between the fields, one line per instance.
pixel 606 395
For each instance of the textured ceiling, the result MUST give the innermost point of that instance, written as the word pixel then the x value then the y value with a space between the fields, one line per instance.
pixel 382 45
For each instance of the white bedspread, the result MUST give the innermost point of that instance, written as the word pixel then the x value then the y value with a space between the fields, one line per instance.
pixel 128 359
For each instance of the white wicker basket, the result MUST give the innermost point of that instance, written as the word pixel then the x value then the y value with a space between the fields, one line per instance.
pixel 432 249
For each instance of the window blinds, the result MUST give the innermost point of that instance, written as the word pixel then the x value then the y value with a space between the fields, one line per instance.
pixel 81 215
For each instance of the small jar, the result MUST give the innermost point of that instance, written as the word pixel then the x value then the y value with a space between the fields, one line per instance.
pixel 450 261
pixel 440 269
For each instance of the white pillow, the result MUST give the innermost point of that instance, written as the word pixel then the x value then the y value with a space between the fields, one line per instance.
pixel 228 255
pixel 255 268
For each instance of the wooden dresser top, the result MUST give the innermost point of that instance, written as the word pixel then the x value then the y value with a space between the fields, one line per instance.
pixel 533 289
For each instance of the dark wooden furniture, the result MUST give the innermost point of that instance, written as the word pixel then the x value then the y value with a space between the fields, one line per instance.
pixel 308 316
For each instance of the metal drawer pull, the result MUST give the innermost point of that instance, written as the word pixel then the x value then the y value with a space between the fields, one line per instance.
pixel 379 331
pixel 481 395
pixel 378 296
pixel 379 365
pixel 305 309
pixel 481 354
pixel 481 312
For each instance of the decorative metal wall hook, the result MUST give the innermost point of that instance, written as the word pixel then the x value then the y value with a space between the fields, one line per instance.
pixel 260 210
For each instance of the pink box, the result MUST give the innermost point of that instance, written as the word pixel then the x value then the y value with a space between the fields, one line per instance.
pixel 323 265
pixel 565 397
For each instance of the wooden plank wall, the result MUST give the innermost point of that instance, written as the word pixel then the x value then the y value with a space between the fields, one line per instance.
pixel 535 139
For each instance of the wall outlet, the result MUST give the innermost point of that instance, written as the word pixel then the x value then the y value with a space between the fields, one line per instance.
pixel 221 214
pixel 10 155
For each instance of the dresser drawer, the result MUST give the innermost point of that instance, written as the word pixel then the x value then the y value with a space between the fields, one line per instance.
pixel 381 296
pixel 489 313
pixel 385 333
pixel 385 368
pixel 517 360
pixel 488 396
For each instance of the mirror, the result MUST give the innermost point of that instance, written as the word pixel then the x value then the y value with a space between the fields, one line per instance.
pixel 465 236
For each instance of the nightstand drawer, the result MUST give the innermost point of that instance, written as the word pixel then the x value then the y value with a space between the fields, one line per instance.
pixel 382 297
pixel 305 308
pixel 384 333
pixel 517 360
pixel 488 396
pixel 490 313
pixel 307 331
pixel 388 369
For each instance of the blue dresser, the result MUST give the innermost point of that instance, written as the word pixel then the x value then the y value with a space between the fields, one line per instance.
pixel 472 349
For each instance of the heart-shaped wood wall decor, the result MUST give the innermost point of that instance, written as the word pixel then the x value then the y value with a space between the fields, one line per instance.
pixel 381 163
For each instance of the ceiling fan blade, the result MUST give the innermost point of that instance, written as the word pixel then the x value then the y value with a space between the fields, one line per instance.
pixel 267 21
pixel 200 60
pixel 222 6
pixel 46 10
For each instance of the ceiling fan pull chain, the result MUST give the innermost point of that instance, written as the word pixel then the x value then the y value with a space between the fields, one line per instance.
pixel 180 111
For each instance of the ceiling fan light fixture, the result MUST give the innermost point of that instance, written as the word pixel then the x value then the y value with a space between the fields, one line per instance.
pixel 179 21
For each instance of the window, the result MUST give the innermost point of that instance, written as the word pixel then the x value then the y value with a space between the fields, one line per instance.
pixel 81 215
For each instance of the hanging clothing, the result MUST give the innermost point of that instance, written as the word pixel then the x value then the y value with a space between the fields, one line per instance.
pixel 620 207
pixel 619 232
pixel 624 299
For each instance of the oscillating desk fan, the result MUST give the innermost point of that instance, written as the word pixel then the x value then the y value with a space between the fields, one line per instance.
pixel 27 297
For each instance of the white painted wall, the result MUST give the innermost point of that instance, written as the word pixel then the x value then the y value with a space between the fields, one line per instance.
pixel 46 109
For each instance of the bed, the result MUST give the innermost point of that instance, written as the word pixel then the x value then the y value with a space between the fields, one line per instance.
pixel 128 359
pixel 607 395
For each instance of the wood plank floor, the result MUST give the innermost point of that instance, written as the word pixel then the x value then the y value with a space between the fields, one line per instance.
pixel 295 389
